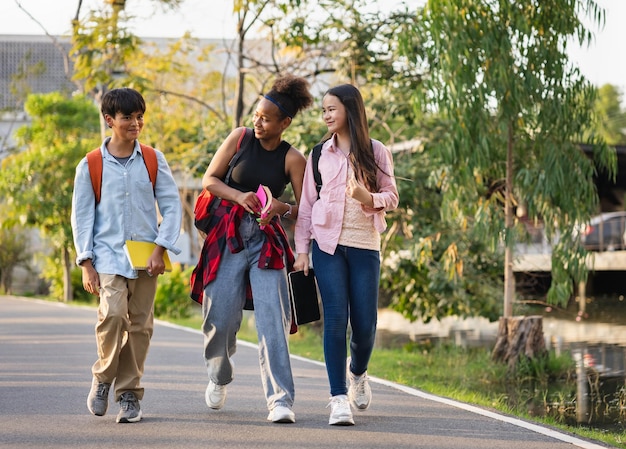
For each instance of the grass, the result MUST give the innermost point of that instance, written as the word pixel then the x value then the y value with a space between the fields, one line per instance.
pixel 464 374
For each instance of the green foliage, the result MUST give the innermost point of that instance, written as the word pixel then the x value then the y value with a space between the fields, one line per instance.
pixel 14 252
pixel 469 374
pixel 179 120
pixel 610 118
pixel 53 274
pixel 37 188
pixel 37 183
pixel 102 49
pixel 434 268
pixel 172 297
pixel 545 369
pixel 498 76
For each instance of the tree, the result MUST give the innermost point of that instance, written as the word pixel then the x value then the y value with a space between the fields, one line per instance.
pixel 37 183
pixel 498 74
pixel 610 118
pixel 104 49
pixel 416 279
pixel 14 252
pixel 346 43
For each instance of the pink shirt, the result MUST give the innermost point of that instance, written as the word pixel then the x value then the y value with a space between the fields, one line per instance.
pixel 321 220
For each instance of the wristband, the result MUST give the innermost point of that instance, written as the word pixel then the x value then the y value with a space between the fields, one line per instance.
pixel 288 213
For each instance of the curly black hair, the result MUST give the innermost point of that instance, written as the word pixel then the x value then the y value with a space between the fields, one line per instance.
pixel 291 94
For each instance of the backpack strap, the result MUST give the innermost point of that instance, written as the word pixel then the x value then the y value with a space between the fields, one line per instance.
pixel 242 143
pixel 244 140
pixel 94 162
pixel 152 164
pixel 315 158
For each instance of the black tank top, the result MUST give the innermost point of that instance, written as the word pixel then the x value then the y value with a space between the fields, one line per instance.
pixel 259 166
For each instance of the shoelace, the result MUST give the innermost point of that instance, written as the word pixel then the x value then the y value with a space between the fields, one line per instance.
pixel 360 384
pixel 127 403
pixel 336 402
pixel 102 391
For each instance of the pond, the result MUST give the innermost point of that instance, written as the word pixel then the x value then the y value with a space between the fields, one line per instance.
pixel 596 340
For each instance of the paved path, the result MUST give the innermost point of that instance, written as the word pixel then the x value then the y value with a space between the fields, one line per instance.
pixel 47 349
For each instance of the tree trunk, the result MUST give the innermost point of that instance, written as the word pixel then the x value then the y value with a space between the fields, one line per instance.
pixel 6 280
pixel 509 279
pixel 67 276
pixel 519 336
pixel 241 76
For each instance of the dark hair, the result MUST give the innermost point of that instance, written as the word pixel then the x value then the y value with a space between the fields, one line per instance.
pixel 291 94
pixel 124 100
pixel 361 152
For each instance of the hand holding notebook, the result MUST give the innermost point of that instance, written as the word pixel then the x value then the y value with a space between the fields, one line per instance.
pixel 264 195
pixel 304 296
pixel 138 254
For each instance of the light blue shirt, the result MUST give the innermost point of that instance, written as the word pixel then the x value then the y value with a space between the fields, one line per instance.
pixel 127 211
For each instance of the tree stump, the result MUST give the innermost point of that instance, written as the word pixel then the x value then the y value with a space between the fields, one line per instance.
pixel 519 336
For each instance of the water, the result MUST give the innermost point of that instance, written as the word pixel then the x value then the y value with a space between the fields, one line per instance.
pixel 595 338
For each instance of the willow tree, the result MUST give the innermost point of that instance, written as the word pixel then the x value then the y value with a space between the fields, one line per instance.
pixel 498 74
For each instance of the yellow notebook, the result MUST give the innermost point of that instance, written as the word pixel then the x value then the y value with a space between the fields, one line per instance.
pixel 138 254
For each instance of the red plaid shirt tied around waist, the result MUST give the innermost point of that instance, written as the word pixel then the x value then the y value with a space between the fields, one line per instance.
pixel 224 231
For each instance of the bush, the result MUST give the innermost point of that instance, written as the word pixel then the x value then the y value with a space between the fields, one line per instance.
pixel 172 297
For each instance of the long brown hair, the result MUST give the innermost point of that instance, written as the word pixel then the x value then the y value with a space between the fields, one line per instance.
pixel 361 152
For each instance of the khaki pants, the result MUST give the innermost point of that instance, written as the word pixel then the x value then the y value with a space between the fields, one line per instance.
pixel 123 331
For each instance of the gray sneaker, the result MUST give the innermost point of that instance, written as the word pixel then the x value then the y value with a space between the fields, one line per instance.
pixel 129 408
pixel 359 392
pixel 98 399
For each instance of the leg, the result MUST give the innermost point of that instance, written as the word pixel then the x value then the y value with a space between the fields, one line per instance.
pixel 223 311
pixel 364 279
pixel 141 318
pixel 111 326
pixel 272 313
pixel 110 329
pixel 272 316
pixel 332 276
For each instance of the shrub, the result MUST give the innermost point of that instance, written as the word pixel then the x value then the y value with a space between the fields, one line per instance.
pixel 172 297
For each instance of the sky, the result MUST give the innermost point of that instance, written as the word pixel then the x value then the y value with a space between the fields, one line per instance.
pixel 604 61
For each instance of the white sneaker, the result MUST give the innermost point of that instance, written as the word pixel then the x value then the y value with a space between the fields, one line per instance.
pixel 359 392
pixel 281 414
pixel 215 395
pixel 340 413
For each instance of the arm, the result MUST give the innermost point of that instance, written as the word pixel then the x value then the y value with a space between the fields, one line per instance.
pixel 82 220
pixel 91 280
pixel 170 208
pixel 387 197
pixel 302 233
pixel 295 163
pixel 216 172
pixel 83 213
pixel 156 264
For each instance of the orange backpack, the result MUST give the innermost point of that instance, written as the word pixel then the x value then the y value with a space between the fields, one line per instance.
pixel 94 162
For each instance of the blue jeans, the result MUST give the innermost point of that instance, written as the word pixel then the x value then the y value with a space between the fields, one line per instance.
pixel 223 310
pixel 348 282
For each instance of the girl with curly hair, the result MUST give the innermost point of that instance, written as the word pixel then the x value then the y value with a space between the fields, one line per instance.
pixel 247 253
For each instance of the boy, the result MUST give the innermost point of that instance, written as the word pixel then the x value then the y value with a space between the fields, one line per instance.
pixel 126 211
